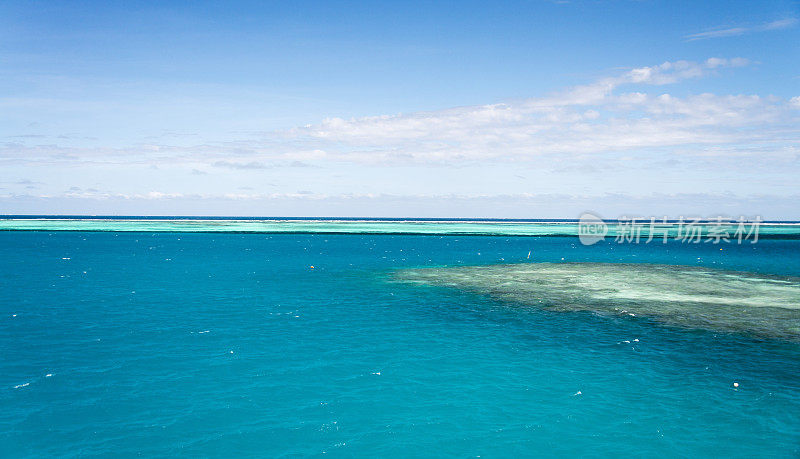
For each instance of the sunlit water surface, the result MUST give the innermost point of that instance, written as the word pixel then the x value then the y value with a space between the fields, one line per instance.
pixel 131 344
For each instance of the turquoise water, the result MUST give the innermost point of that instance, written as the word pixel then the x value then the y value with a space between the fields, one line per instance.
pixel 200 344
pixel 396 226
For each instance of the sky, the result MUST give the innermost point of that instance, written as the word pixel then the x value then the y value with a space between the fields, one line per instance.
pixel 529 109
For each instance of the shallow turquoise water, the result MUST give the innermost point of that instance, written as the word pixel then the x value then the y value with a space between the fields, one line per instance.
pixel 230 344
pixel 484 227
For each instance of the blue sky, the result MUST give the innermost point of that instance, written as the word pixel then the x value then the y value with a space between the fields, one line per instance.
pixel 517 109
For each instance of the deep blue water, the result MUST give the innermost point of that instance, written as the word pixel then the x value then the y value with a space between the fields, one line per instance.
pixel 231 345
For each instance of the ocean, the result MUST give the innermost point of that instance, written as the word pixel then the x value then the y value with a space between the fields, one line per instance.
pixel 251 344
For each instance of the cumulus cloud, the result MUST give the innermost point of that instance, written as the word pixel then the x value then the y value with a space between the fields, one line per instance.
pixel 631 113
pixel 584 120
pixel 242 166
pixel 251 165
pixel 721 32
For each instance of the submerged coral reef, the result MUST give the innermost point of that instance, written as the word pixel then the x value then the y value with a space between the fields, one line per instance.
pixel 695 297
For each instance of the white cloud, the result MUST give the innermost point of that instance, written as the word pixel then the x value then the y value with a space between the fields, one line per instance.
pixel 631 114
pixel 528 205
pixel 587 119
pixel 721 32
